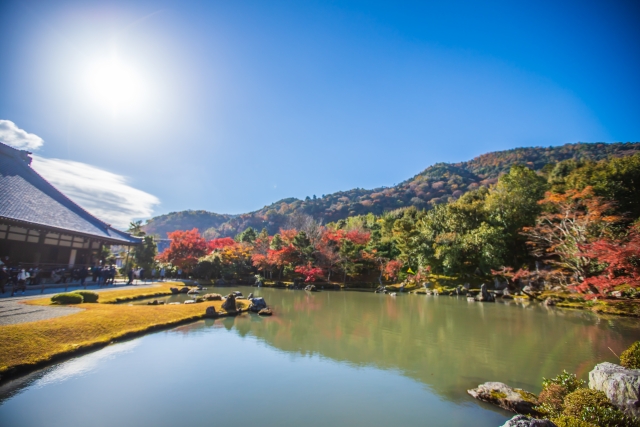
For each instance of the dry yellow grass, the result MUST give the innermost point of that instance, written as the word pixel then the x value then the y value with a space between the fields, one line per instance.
pixel 28 345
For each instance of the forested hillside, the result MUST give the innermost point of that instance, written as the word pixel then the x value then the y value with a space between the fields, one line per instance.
pixel 439 183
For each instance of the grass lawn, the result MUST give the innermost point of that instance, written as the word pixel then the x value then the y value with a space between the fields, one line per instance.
pixel 26 346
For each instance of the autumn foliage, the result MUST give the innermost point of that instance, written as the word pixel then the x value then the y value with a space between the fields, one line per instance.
pixel 621 259
pixel 185 249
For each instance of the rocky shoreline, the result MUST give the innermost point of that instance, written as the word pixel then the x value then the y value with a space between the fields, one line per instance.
pixel 612 399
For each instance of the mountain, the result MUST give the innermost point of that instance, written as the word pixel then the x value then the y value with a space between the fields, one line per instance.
pixel 438 183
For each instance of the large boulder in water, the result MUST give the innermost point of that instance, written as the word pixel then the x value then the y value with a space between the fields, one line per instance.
pixel 485 295
pixel 229 305
pixel 174 291
pixel 524 421
pixel 210 312
pixel 265 312
pixel 213 297
pixel 311 288
pixel 184 290
pixel 511 399
pixel 257 304
pixel 621 385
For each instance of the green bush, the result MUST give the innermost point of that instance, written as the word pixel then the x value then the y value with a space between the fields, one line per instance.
pixel 566 421
pixel 608 416
pixel 630 358
pixel 569 381
pixel 575 403
pixel 67 298
pixel 88 296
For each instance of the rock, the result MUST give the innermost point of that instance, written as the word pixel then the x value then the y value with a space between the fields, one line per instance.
pixel 190 301
pixel 257 304
pixel 616 294
pixel 193 291
pixel 393 294
pixel 199 299
pixel 511 399
pixel 311 288
pixel 265 312
pixel 210 312
pixel 154 302
pixel 237 293
pixel 551 301
pixel 485 295
pixel 524 421
pixel 175 303
pixel 229 305
pixel 184 290
pixel 213 297
pixel 221 282
pixel 250 295
pixel 174 290
pixel 621 385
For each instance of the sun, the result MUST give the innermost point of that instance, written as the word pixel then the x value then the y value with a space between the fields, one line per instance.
pixel 115 85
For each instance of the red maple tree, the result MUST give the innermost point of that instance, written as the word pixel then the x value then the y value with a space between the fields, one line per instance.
pixel 310 272
pixel 185 249
pixel 220 243
pixel 622 260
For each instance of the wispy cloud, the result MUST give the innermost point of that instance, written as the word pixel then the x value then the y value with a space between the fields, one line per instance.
pixel 104 194
pixel 12 135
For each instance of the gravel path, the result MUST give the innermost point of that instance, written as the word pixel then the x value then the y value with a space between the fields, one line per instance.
pixel 13 312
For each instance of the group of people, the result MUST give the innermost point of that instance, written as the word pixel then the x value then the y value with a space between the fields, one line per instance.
pixel 19 277
pixel 140 274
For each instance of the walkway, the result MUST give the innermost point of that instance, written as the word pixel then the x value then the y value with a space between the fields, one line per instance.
pixel 12 311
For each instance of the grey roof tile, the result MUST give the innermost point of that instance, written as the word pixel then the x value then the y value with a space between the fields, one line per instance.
pixel 26 196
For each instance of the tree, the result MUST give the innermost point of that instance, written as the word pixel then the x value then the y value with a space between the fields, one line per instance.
pixel 621 260
pixel 572 220
pixel 145 254
pixel 392 269
pixel 220 243
pixel 309 272
pixel 185 249
pixel 513 204
pixel 249 235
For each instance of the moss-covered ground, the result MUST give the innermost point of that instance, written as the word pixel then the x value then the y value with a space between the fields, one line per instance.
pixel 27 346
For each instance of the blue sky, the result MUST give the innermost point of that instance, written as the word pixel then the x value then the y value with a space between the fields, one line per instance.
pixel 231 105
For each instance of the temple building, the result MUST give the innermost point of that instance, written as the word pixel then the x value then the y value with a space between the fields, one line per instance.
pixel 40 226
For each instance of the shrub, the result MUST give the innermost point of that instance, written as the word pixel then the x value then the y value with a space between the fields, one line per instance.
pixel 607 417
pixel 630 358
pixel 569 381
pixel 67 298
pixel 551 399
pixel 566 421
pixel 575 403
pixel 88 296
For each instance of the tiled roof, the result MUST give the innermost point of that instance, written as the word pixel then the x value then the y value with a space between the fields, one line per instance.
pixel 27 197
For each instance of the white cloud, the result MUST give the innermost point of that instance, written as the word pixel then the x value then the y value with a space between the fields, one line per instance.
pixel 12 135
pixel 104 194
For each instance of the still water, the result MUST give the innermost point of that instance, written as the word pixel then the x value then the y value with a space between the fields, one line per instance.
pixel 327 358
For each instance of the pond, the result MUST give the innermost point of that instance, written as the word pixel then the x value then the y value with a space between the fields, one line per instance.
pixel 326 358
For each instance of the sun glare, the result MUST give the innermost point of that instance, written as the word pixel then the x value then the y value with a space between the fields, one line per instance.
pixel 114 85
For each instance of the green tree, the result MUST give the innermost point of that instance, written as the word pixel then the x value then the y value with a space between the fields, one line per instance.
pixel 249 235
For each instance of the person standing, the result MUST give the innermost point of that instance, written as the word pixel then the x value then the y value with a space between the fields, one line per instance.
pixel 130 275
pixel 83 276
pixel 162 274
pixel 4 277
pixel 23 276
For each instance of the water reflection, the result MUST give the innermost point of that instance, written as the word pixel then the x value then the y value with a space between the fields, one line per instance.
pixel 447 343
